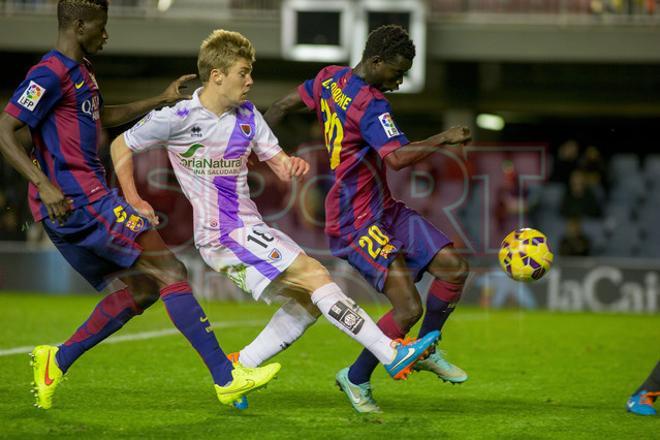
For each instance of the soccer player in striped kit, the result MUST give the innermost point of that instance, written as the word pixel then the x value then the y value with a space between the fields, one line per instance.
pixel 97 232
pixel 208 140
pixel 390 244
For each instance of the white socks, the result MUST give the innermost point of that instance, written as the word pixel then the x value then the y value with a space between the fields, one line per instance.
pixel 347 316
pixel 287 324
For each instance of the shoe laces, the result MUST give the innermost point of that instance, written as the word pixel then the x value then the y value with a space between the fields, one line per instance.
pixel 649 397
pixel 405 340
pixel 233 357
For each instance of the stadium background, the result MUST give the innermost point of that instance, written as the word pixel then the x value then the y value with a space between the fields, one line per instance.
pixel 575 84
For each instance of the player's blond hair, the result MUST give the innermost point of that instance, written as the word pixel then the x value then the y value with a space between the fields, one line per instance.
pixel 221 50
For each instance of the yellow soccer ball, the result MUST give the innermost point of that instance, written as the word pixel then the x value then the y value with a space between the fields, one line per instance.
pixel 525 255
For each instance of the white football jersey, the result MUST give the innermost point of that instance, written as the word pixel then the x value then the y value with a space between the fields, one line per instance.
pixel 209 155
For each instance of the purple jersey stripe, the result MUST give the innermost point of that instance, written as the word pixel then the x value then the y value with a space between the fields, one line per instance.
pixel 247 257
pixel 226 185
pixel 348 187
pixel 237 146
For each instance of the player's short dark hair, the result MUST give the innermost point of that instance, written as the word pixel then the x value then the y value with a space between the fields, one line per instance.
pixel 70 10
pixel 388 41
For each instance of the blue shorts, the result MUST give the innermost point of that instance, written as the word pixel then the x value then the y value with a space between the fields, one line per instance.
pixel 99 239
pixel 400 230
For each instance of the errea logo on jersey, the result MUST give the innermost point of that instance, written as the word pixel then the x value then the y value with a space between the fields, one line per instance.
pixel 31 96
pixel 388 125
pixel 207 166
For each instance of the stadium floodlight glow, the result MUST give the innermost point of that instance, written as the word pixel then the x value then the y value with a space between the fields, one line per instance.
pixel 490 122
pixel 164 5
pixel 316 31
pixel 410 14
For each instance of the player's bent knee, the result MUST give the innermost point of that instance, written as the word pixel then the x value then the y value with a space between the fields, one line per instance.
pixel 309 273
pixel 170 272
pixel 462 271
pixel 449 266
pixel 145 299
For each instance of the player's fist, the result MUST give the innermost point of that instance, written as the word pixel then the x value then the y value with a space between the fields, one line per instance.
pixel 145 210
pixel 174 92
pixel 457 136
pixel 57 205
pixel 299 167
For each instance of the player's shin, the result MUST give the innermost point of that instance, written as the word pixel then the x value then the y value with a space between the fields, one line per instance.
pixel 110 314
pixel 188 316
pixel 440 303
pixel 344 314
pixel 287 325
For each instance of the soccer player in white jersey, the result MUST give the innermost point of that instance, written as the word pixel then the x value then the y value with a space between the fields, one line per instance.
pixel 208 140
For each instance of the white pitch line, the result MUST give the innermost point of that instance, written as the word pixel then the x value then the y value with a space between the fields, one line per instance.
pixel 140 336
pixel 171 331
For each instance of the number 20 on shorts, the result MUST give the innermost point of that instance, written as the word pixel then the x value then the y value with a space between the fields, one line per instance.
pixel 376 242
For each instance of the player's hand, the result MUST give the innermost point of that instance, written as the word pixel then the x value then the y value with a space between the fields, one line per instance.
pixel 299 167
pixel 457 136
pixel 57 205
pixel 146 210
pixel 173 92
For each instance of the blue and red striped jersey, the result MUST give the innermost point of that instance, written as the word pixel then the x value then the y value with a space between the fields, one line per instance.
pixel 61 103
pixel 359 132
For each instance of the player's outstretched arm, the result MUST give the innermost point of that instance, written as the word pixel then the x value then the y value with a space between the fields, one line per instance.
pixel 122 161
pixel 13 152
pixel 287 167
pixel 289 103
pixel 417 151
pixel 113 115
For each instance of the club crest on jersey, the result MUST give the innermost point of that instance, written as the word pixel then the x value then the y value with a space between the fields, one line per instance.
pixel 31 96
pixel 246 129
pixel 387 250
pixel 388 125
pixel 135 223
pixel 275 255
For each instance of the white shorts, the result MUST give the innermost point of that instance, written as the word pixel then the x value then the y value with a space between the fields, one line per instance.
pixel 252 257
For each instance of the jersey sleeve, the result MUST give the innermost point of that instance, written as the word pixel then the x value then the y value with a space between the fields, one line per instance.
pixel 151 131
pixel 379 130
pixel 264 144
pixel 310 90
pixel 306 92
pixel 36 96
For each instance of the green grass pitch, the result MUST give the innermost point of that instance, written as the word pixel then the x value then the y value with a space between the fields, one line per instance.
pixel 533 375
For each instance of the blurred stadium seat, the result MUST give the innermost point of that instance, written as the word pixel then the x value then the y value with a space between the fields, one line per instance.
pixel 552 196
pixel 623 165
pixel 624 241
pixel 652 168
